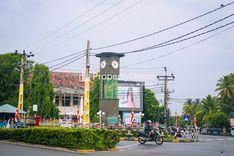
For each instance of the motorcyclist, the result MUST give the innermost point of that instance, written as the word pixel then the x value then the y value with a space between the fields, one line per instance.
pixel 148 128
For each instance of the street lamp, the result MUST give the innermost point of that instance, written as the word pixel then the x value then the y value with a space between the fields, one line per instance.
pixel 100 113
pixel 140 115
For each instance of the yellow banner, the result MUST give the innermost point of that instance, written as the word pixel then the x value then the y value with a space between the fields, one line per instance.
pixel 86 119
pixel 21 96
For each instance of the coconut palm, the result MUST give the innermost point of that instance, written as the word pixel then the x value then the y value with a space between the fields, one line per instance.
pixel 225 87
pixel 209 105
pixel 190 108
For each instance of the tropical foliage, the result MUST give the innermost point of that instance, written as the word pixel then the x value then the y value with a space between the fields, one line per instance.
pixel 151 109
pixel 213 111
pixel 94 100
pixel 10 65
pixel 42 92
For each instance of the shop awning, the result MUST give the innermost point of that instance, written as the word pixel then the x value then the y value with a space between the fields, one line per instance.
pixel 6 108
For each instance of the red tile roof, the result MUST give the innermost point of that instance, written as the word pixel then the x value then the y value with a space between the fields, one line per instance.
pixel 68 79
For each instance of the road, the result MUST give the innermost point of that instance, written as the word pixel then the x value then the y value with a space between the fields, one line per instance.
pixel 210 146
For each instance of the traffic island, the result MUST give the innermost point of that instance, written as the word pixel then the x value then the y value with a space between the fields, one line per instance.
pixel 71 138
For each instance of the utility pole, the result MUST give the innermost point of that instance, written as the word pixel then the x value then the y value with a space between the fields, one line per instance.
pixel 86 118
pixel 166 78
pixel 24 57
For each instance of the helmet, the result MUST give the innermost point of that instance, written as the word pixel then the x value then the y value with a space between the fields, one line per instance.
pixel 148 121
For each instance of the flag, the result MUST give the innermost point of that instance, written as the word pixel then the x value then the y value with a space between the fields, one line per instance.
pixel 78 116
pixel 132 118
pixel 81 110
pixel 17 115
pixel 195 122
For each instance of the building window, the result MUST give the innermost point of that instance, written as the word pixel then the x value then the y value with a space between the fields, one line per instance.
pixel 76 101
pixel 66 101
pixel 57 101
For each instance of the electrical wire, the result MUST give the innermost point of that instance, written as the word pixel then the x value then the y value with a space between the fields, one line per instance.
pixel 101 22
pixel 165 29
pixel 70 61
pixel 164 45
pixel 63 26
pixel 87 21
pixel 60 58
pixel 180 49
pixel 168 28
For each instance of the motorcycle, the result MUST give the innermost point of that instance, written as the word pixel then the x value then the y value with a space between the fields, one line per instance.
pixel 154 136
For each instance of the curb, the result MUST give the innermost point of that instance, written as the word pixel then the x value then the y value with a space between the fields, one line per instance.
pixel 60 149
pixel 114 149
pixel 165 140
pixel 86 151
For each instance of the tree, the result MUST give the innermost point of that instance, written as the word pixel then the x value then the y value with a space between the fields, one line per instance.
pixel 151 108
pixel 225 86
pixel 9 79
pixel 190 108
pixel 42 92
pixel 209 105
pixel 94 100
pixel 217 120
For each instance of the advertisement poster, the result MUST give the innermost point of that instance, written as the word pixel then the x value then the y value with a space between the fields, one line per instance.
pixel 127 118
pixel 129 97
pixel 110 89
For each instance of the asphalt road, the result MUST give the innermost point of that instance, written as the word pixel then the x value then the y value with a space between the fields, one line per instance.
pixel 210 146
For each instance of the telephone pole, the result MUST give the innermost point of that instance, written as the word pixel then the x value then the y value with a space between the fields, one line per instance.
pixel 86 118
pixel 166 78
pixel 24 57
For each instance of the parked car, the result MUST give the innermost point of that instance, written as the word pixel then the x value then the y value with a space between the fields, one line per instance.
pixel 204 131
pixel 214 131
pixel 20 124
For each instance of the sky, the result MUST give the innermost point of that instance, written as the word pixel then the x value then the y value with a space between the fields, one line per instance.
pixel 25 23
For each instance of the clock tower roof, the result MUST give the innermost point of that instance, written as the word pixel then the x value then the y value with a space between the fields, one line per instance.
pixel 108 54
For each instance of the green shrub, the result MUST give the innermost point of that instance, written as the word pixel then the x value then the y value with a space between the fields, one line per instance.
pixel 72 138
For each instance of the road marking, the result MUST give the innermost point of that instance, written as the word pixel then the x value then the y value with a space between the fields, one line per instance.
pixel 128 146
pixel 220 139
pixel 230 139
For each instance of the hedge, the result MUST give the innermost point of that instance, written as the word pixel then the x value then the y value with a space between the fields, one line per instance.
pixel 73 138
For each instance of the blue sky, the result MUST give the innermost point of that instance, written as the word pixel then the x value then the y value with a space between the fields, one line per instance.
pixel 196 69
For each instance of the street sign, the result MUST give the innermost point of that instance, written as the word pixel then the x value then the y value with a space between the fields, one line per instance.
pixel 112 120
pixel 186 118
pixel 232 122
pixel 34 108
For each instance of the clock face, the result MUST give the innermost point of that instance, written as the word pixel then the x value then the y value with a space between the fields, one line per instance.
pixel 103 64
pixel 115 64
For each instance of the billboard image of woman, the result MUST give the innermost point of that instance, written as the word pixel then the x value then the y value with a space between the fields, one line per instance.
pixel 130 103
pixel 129 97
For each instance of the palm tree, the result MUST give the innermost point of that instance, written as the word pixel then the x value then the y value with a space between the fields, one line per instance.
pixel 225 86
pixel 209 105
pixel 190 108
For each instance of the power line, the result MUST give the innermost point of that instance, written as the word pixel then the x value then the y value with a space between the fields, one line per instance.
pixel 63 26
pixel 197 29
pixel 180 49
pixel 87 21
pixel 165 29
pixel 69 62
pixel 164 45
pixel 60 58
pixel 168 28
pixel 103 21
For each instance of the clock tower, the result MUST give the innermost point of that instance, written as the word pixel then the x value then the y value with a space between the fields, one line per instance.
pixel 109 73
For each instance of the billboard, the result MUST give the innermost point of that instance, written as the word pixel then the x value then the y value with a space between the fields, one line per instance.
pixel 129 97
pixel 127 118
